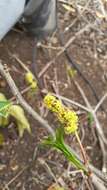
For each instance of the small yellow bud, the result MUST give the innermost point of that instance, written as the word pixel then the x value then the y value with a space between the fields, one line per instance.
pixel 72 72
pixel 30 80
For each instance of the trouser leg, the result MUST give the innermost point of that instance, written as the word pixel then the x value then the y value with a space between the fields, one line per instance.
pixel 40 17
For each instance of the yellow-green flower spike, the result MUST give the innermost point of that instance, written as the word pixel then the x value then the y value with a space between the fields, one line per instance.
pixel 52 103
pixel 68 118
pixel 71 122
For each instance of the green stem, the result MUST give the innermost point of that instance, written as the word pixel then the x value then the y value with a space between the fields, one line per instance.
pixel 71 156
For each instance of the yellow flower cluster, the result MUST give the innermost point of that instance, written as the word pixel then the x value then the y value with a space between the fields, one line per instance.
pixel 67 117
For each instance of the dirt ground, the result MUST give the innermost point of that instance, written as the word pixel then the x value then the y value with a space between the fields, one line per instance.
pixel 21 163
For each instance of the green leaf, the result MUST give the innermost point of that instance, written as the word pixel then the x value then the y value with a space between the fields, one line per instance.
pixel 4 106
pixel 58 140
pixel 69 154
pixel 49 141
pixel 90 118
pixel 60 134
pixel 59 144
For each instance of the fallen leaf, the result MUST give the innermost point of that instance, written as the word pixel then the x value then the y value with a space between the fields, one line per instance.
pixel 69 8
pixel 55 187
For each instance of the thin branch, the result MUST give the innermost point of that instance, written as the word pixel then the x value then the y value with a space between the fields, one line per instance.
pixel 82 148
pixel 100 103
pixel 101 136
pixel 72 102
pixel 98 125
pixel 69 42
pixel 97 183
pixel 14 178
